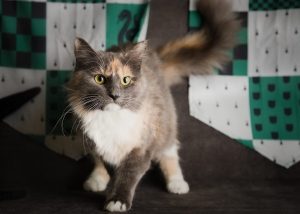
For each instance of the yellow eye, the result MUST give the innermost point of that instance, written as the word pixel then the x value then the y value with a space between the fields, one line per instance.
pixel 100 79
pixel 126 81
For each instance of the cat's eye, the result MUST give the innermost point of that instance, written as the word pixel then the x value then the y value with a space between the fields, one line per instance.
pixel 100 79
pixel 126 81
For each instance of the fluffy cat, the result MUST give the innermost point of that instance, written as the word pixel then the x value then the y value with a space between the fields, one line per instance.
pixel 122 98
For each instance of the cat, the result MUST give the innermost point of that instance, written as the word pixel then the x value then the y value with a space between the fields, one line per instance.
pixel 122 98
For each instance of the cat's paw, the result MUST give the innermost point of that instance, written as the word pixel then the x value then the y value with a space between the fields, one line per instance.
pixel 178 186
pixel 116 206
pixel 95 184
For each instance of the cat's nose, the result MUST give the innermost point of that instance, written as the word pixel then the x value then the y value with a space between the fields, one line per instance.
pixel 114 96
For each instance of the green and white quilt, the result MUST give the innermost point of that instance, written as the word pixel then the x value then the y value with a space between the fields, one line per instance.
pixel 256 98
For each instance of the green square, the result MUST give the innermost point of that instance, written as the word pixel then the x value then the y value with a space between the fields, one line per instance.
pixel 123 22
pixel 273 4
pixel 38 27
pixel 8 58
pixel 194 19
pixel 38 60
pixel 23 43
pixel 274 103
pixel 24 9
pixel 56 103
pixel 9 24
pixel 243 36
pixel 240 67
pixel 247 143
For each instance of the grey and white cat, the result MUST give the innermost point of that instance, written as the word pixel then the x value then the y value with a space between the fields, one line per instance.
pixel 122 98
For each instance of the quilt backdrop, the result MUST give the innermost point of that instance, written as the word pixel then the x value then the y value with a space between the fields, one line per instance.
pixel 256 98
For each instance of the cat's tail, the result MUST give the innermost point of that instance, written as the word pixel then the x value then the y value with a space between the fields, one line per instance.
pixel 201 51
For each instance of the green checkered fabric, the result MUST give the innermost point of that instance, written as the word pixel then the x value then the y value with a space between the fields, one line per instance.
pixel 194 20
pixel 23 34
pixel 239 63
pixel 275 104
pixel 273 4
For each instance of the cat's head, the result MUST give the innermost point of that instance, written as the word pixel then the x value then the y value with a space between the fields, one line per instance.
pixel 102 78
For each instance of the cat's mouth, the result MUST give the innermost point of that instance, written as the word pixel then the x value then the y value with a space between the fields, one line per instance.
pixel 100 104
pixel 115 100
pixel 108 104
pixel 112 107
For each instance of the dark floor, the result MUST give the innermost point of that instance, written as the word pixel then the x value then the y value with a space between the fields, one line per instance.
pixel 237 197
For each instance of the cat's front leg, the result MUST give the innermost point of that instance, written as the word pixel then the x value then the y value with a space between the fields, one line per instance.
pixel 99 177
pixel 125 180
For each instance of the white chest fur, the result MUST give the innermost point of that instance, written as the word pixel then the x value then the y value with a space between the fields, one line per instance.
pixel 115 131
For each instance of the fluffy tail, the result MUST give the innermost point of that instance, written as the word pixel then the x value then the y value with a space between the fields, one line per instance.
pixel 201 51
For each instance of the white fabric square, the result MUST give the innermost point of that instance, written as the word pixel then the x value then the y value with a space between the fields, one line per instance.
pixel 30 118
pixel 127 1
pixel 192 5
pixel 240 5
pixel 285 153
pixel 65 21
pixel 70 146
pixel 143 32
pixel 222 102
pixel 274 43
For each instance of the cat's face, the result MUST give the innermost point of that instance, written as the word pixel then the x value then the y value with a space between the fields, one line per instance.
pixel 102 78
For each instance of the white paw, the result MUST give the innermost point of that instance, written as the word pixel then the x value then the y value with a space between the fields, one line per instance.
pixel 116 206
pixel 95 184
pixel 178 186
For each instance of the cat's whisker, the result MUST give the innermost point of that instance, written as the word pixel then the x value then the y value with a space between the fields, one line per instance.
pixel 67 110
pixel 77 120
pixel 62 122
pixel 83 143
pixel 89 100
pixel 78 125
pixel 93 107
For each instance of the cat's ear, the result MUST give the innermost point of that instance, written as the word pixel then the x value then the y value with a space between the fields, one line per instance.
pixel 82 49
pixel 84 54
pixel 136 54
pixel 140 49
